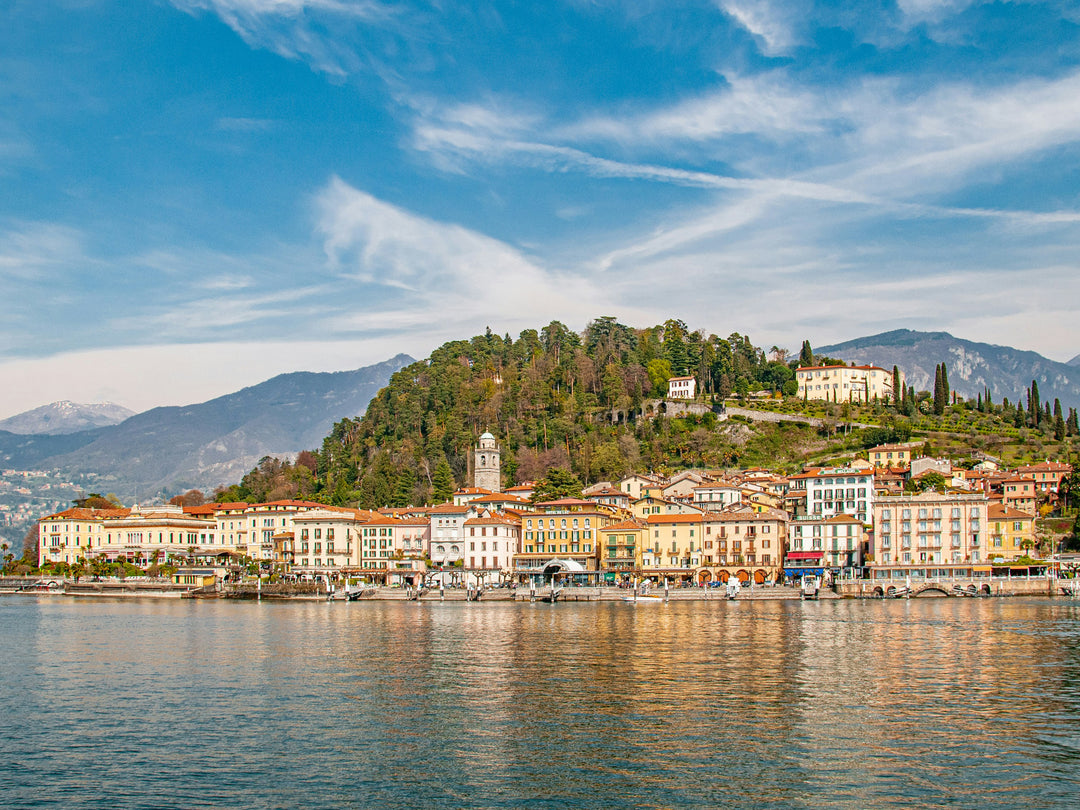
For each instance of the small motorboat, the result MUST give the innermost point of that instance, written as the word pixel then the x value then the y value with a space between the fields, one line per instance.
pixel 809 587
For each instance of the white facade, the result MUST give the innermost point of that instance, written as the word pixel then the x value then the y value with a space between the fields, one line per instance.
pixel 487 464
pixel 845 383
pixel 682 388
pixel 840 491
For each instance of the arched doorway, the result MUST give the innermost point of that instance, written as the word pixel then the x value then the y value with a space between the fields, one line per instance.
pixel 744 576
pixel 759 577
pixel 704 577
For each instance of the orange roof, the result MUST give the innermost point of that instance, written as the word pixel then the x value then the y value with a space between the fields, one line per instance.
pixel 82 513
pixel 625 526
pixel 997 511
pixel 449 509
pixel 494 520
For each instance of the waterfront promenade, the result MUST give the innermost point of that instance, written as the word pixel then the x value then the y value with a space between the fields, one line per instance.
pixel 859 588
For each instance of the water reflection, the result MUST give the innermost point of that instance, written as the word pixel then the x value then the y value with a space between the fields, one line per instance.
pixel 916 703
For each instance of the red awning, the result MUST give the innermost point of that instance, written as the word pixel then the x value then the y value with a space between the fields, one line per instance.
pixel 803 555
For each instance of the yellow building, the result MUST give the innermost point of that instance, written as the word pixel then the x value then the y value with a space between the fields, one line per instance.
pixel 71 535
pixel 1012 532
pixel 562 537
pixel 673 546
pixel 888 456
pixel 621 546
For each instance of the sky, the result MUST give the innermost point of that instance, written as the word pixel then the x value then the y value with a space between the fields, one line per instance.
pixel 196 195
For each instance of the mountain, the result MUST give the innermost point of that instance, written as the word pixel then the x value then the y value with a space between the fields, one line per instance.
pixel 1007 372
pixel 1075 361
pixel 64 417
pixel 166 450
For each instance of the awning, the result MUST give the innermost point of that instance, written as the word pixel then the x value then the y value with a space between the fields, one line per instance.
pixel 980 568
pixel 804 555
pixel 795 572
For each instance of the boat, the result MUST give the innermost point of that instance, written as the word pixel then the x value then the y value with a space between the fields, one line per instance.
pixel 643 597
pixel 731 590
pixel 809 587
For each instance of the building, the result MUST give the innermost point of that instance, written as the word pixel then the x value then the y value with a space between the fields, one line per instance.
pixel 324 541
pixel 1012 532
pixel 890 456
pixel 845 383
pixel 930 529
pixel 1047 475
pixel 620 551
pixel 487 464
pixel 836 543
pixel 837 491
pixel 562 537
pixel 682 387
pixel 1018 492
pixel 447 533
pixel 492 541
pixel 74 534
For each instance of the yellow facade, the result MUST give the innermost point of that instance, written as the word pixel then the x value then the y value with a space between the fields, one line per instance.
pixel 1012 532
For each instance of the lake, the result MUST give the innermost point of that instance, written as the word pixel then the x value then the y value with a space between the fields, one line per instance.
pixel 842 703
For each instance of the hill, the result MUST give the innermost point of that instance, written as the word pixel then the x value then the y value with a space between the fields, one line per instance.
pixel 166 450
pixel 973 367
pixel 59 418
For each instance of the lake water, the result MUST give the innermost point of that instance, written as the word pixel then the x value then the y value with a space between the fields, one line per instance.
pixel 918 703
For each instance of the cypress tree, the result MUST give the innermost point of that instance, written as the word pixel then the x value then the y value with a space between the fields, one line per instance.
pixel 945 393
pixel 1033 403
pixel 1072 424
pixel 1059 421
pixel 1046 419
pixel 939 391
pixel 979 403
pixel 897 393
pixel 1018 420
pixel 806 355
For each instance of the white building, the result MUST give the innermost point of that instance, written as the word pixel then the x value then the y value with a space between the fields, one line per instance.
pixel 845 383
pixel 837 491
pixel 681 387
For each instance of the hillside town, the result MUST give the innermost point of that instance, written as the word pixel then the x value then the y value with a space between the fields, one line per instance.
pixel 887 515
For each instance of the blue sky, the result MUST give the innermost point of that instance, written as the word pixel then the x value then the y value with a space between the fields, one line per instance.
pixel 198 194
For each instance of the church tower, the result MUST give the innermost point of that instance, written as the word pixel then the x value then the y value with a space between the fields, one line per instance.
pixel 487 465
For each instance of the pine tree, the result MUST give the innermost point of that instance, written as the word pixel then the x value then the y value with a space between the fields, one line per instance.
pixel 979 403
pixel 1046 418
pixel 1072 424
pixel 442 482
pixel 403 491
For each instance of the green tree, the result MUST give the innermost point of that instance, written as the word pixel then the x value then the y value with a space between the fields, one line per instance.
pixel 442 482
pixel 558 483
pixel 1059 421
pixel 806 355
pixel 659 373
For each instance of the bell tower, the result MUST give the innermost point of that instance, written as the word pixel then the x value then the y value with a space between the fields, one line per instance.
pixel 487 464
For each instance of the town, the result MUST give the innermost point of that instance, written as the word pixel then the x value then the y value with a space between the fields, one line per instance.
pixel 886 518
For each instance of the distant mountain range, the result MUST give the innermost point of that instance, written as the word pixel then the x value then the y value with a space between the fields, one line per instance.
pixel 63 417
pixel 1007 372
pixel 165 451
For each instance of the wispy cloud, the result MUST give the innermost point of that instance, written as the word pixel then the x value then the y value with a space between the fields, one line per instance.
pixel 300 29
pixel 30 250
pixel 441 273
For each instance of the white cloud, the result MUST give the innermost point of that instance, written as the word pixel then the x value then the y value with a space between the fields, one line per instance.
pixel 773 26
pixel 439 273
pixel 297 29
pixel 29 250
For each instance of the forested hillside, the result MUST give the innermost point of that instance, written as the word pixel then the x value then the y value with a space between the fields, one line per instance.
pixel 553 398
